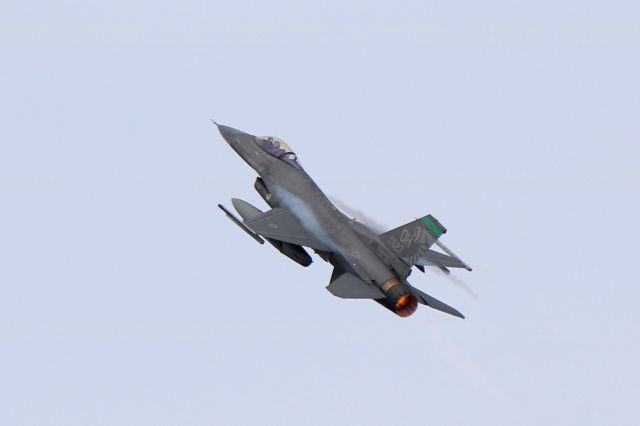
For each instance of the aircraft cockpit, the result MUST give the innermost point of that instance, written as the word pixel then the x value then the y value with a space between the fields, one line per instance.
pixel 279 149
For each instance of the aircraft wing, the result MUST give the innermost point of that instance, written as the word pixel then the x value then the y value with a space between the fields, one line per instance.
pixel 280 224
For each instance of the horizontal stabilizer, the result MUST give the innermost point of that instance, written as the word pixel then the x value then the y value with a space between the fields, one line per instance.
pixel 433 258
pixel 434 303
pixel 348 286
pixel 452 254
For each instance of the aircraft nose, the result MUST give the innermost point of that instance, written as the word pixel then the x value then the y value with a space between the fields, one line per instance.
pixel 228 133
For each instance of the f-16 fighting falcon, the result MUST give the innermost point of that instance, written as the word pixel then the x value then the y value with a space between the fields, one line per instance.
pixel 366 265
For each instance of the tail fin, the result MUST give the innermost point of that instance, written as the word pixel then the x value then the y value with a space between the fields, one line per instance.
pixel 411 243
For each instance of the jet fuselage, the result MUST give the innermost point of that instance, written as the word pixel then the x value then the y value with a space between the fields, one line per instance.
pixel 293 188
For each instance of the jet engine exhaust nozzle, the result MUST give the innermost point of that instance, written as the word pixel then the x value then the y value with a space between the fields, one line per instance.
pixel 399 300
pixel 406 305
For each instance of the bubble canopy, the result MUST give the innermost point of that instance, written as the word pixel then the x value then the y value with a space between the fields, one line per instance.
pixel 279 149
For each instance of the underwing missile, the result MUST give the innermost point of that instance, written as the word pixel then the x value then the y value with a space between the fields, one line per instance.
pixel 240 224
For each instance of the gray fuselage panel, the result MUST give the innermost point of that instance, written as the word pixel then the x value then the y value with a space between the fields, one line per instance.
pixel 294 189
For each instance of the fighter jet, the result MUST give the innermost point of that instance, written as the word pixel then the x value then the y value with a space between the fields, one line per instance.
pixel 367 265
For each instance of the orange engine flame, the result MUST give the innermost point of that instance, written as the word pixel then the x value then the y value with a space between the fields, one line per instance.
pixel 406 305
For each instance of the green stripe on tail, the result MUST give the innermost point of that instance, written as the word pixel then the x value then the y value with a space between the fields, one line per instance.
pixel 433 226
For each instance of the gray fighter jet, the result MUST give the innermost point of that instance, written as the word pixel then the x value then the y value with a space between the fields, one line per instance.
pixel 367 265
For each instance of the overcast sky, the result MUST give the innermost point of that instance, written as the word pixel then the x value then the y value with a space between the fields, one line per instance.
pixel 127 298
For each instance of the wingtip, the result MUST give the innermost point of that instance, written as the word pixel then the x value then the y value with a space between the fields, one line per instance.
pixel 214 122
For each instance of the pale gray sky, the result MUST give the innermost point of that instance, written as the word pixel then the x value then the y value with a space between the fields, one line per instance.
pixel 126 297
